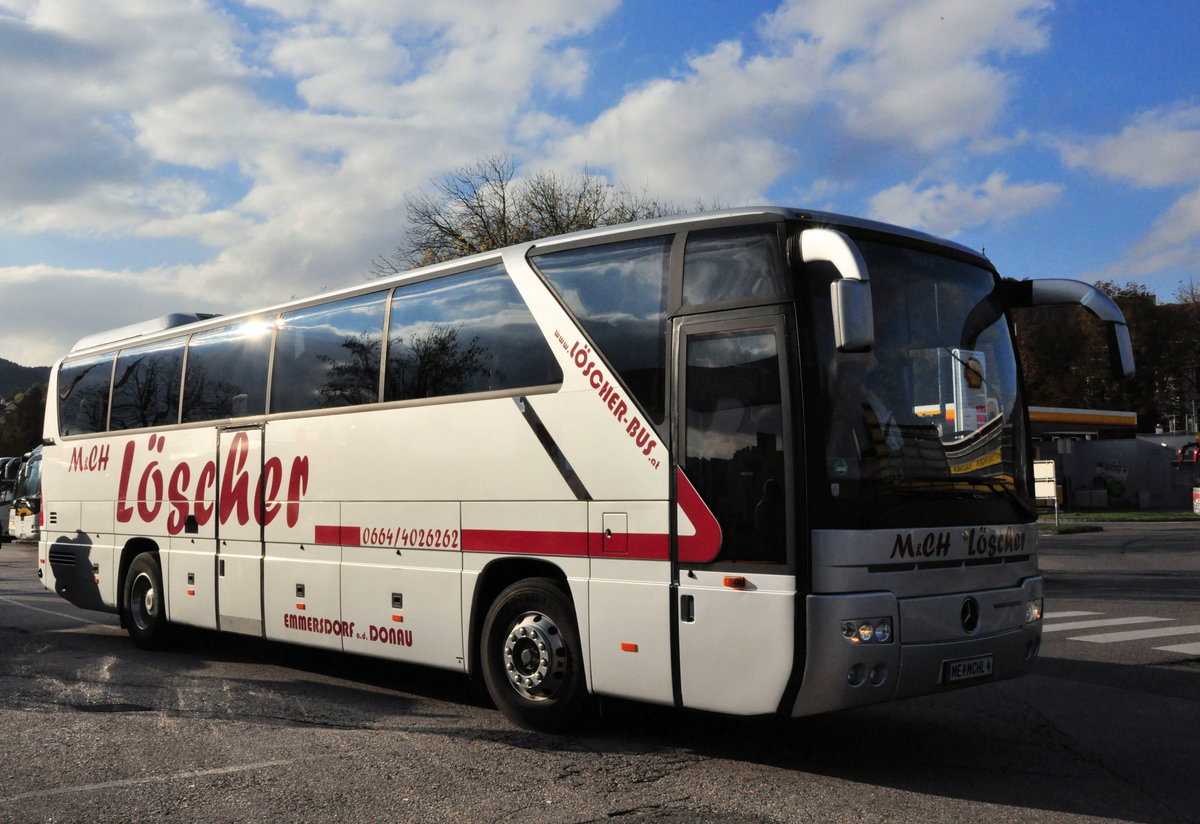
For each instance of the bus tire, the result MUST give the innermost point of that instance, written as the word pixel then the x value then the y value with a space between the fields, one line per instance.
pixel 531 656
pixel 145 608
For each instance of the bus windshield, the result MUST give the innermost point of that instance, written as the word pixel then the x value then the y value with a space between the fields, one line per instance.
pixel 933 412
pixel 29 483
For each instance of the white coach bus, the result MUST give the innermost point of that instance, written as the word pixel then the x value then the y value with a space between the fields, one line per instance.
pixel 752 461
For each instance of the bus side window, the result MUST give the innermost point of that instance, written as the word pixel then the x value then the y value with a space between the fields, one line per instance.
pixel 464 333
pixel 146 386
pixel 722 265
pixel 226 374
pixel 83 395
pixel 618 292
pixel 328 356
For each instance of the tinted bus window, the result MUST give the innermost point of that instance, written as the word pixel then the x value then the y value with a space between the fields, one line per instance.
pixel 721 265
pixel 29 483
pixel 226 375
pixel 328 356
pixel 619 293
pixel 464 333
pixel 83 395
pixel 735 431
pixel 146 386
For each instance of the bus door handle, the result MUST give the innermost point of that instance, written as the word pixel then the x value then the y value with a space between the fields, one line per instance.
pixel 687 609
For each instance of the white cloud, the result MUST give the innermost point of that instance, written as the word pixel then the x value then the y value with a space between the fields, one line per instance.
pixel 908 78
pixel 948 209
pixel 75 72
pixel 287 144
pixel 713 133
pixel 165 119
pixel 1159 148
pixel 1167 252
pixel 63 305
pixel 1179 227
pixel 344 73
pixel 922 74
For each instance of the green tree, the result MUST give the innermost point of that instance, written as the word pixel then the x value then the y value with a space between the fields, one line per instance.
pixel 21 429
pixel 1150 330
pixel 1065 356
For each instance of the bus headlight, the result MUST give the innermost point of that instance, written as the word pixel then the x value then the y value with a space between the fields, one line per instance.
pixel 868 630
pixel 1033 610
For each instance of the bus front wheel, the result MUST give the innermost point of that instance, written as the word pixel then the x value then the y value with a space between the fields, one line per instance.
pixel 145 610
pixel 531 659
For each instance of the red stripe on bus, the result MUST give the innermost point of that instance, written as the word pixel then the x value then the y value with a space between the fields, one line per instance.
pixel 525 542
pixel 706 543
pixel 338 536
pixel 700 547
pixel 639 546
pixel 649 547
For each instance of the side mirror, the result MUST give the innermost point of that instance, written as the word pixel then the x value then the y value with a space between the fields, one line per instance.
pixel 1058 292
pixel 1120 351
pixel 853 315
pixel 850 295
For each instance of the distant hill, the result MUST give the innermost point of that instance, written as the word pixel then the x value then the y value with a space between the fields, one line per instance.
pixel 15 378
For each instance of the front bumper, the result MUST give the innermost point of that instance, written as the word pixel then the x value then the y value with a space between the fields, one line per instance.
pixel 929 633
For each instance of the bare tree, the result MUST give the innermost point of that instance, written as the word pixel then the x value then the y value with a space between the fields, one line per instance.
pixel 486 205
pixel 433 363
pixel 1188 292
pixel 556 204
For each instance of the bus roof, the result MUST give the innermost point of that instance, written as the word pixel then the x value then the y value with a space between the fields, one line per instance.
pixel 141 329
pixel 641 228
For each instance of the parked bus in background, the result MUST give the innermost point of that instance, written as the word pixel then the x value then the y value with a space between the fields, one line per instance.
pixel 752 461
pixel 8 484
pixel 25 514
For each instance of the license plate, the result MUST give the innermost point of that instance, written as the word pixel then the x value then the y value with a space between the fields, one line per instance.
pixel 979 667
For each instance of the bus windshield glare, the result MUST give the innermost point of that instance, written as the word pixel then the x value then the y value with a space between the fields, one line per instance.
pixel 934 410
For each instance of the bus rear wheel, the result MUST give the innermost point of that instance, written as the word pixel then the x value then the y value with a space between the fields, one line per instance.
pixel 145 609
pixel 531 659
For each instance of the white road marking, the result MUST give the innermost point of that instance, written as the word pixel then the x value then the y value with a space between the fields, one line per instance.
pixel 1053 616
pixel 1185 649
pixel 1138 634
pixel 48 611
pixel 1106 622
pixel 154 779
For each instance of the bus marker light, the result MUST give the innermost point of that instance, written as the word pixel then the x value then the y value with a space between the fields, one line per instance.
pixel 628 647
pixel 1033 610
pixel 191 592
pixel 399 619
pixel 300 606
pixel 868 630
pixel 735 581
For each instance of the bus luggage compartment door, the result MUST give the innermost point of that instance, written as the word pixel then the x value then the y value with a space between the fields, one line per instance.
pixel 239 533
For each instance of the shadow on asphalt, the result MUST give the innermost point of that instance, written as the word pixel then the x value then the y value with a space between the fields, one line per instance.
pixel 991 744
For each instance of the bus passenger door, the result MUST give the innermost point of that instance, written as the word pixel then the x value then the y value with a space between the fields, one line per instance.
pixel 239 531
pixel 734 544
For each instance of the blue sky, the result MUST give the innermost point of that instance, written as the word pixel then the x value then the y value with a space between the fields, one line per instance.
pixel 195 155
